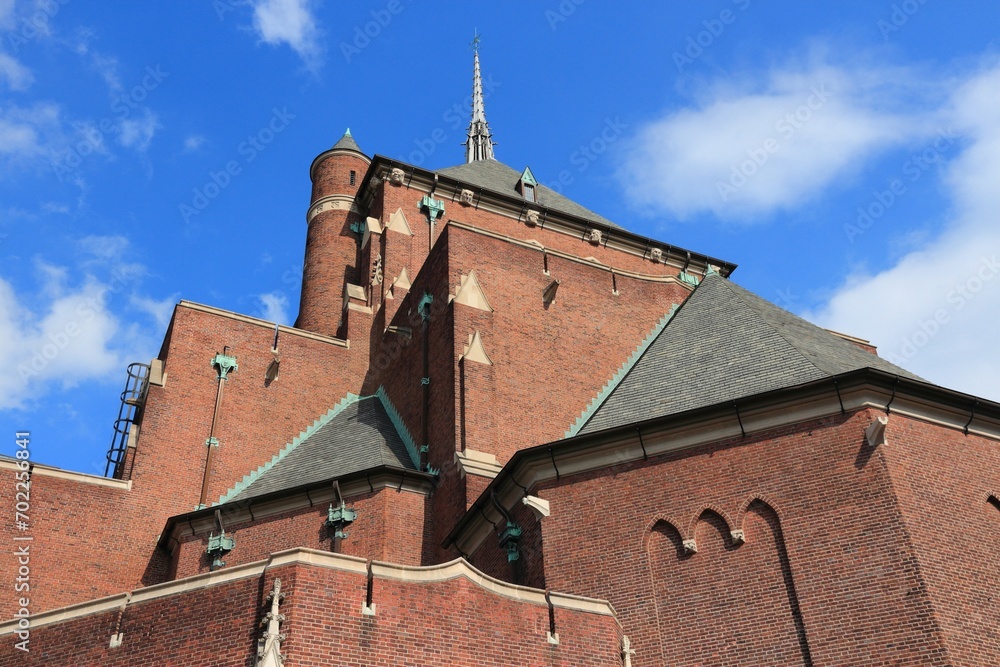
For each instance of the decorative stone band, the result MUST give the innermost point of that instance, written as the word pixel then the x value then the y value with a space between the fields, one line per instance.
pixel 331 203
pixel 589 261
pixel 71 475
pixel 314 558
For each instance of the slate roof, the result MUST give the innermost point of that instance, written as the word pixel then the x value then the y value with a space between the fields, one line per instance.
pixel 359 434
pixel 726 343
pixel 347 141
pixel 498 177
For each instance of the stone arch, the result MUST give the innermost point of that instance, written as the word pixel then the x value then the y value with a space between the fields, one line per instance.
pixel 717 519
pixel 994 499
pixel 663 525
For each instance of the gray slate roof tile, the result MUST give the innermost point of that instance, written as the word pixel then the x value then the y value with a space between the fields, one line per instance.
pixel 726 343
pixel 498 177
pixel 362 436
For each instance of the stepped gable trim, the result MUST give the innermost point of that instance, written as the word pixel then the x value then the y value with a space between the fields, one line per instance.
pixel 397 422
pixel 447 187
pixel 867 388
pixel 43 470
pixel 254 475
pixel 588 261
pixel 292 331
pixel 620 374
pixel 314 558
pixel 299 497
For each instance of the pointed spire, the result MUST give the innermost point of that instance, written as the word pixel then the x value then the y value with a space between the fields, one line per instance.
pixel 347 141
pixel 479 144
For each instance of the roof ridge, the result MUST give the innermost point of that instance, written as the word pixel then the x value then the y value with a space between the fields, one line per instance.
pixel 622 372
pixel 254 475
pixel 397 421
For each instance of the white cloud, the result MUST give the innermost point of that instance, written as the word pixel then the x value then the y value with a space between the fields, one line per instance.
pixel 289 22
pixel 937 310
pixel 274 307
pixel 72 329
pixel 137 132
pixel 768 145
pixel 193 142
pixel 17 76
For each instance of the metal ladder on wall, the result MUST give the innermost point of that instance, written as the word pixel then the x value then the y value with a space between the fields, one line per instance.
pixel 132 400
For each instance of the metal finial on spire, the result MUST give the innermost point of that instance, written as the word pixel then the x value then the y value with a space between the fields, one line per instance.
pixel 479 144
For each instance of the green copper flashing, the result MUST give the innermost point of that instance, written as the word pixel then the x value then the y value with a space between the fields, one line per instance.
pixel 218 546
pixel 434 207
pixel 528 177
pixel 253 476
pixel 510 541
pixel 616 379
pixel 686 277
pixel 223 364
pixel 338 518
pixel 397 421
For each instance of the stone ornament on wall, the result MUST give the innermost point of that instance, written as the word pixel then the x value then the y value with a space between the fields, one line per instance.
pixel 466 197
pixel 396 176
pixel 531 218
pixel 656 254
pixel 595 236
pixel 377 270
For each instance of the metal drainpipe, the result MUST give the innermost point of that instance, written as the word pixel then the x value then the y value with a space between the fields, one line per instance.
pixel 211 447
pixel 425 383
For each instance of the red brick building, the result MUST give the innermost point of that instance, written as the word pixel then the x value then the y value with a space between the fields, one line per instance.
pixel 506 431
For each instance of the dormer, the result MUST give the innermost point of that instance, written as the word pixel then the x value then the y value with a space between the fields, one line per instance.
pixel 528 186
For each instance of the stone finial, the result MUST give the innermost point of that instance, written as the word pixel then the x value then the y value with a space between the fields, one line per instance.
pixel 627 651
pixel 396 176
pixel 466 197
pixel 269 644
pixel 595 236
pixel 531 218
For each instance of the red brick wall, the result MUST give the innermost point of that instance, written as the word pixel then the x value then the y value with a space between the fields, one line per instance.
pixel 76 547
pixel 389 527
pixel 860 593
pixel 331 246
pixel 944 480
pixel 453 622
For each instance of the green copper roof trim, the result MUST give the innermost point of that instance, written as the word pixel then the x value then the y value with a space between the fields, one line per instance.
pixel 397 421
pixel 250 478
pixel 528 177
pixel 686 277
pixel 348 132
pixel 620 375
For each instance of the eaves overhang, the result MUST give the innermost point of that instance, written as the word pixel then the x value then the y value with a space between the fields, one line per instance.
pixel 239 510
pixel 451 188
pixel 840 394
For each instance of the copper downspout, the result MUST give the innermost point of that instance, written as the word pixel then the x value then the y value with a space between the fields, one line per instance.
pixel 211 441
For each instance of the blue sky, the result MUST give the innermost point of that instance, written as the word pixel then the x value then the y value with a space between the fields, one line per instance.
pixel 842 153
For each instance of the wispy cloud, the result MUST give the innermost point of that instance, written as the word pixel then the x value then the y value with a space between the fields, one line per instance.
pixel 73 328
pixel 290 22
pixel 137 132
pixel 193 143
pixel 274 307
pixel 16 75
pixel 936 310
pixel 770 143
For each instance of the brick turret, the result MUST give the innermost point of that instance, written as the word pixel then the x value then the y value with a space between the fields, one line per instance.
pixel 331 246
